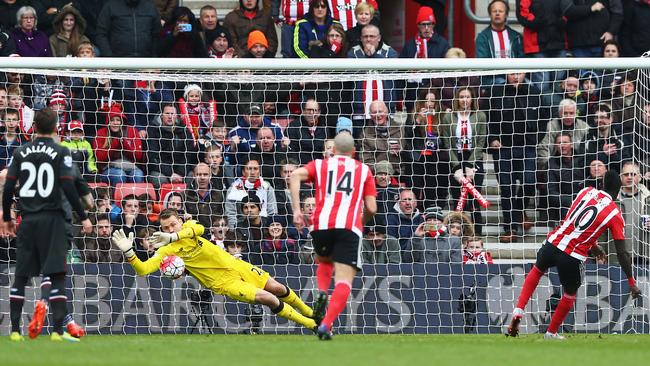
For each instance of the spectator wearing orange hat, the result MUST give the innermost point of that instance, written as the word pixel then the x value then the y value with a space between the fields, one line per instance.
pixel 258 45
pixel 243 20
pixel 119 149
pixel 80 149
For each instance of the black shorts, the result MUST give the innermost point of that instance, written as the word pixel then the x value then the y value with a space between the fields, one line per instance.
pixel 340 244
pixel 569 269
pixel 41 244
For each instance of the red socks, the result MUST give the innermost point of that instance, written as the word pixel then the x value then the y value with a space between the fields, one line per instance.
pixel 337 302
pixel 530 284
pixel 566 303
pixel 324 273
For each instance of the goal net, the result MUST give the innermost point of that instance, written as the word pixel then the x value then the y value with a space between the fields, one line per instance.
pixel 441 255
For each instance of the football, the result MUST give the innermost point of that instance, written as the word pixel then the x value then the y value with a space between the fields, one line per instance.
pixel 172 267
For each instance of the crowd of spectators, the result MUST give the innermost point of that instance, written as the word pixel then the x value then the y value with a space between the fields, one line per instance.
pixel 222 153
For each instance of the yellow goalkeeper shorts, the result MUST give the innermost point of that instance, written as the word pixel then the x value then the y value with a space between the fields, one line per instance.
pixel 242 281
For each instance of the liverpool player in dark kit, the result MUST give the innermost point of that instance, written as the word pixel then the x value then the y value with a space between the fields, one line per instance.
pixel 567 247
pixel 44 170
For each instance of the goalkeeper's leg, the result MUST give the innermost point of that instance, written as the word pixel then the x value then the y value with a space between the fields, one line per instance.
pixel 288 296
pixel 283 309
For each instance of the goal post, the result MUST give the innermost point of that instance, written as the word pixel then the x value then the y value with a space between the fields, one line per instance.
pixel 425 271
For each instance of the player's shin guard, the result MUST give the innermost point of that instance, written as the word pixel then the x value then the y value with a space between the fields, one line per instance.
pixel 58 302
pixel 46 288
pixel 563 308
pixel 296 302
pixel 337 302
pixel 530 284
pixel 324 273
pixel 286 311
pixel 16 301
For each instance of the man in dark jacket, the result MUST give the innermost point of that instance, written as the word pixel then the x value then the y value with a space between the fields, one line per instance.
pixel 128 28
pixel 635 35
pixel 401 223
pixel 514 125
pixel 171 150
pixel 201 201
pixel 590 23
pixel 565 177
pixel 544 34
pixel 307 134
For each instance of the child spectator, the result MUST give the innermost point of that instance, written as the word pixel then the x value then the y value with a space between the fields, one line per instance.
pixel 142 240
pixel 11 138
pixel 196 114
pixel 246 18
pixel 219 230
pixel 458 224
pixel 276 247
pixel 258 46
pixel 149 208
pixel 474 253
pixel 233 245
pixel 26 114
pixel 81 150
pixel 59 103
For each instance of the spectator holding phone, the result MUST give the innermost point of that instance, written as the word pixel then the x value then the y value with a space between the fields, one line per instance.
pixel 180 38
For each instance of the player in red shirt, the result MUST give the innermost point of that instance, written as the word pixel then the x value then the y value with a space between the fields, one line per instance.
pixel 591 213
pixel 345 200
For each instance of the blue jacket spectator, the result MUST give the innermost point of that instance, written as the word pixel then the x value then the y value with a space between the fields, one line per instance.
pixel 244 137
pixel 312 28
pixel 144 98
pixel 128 28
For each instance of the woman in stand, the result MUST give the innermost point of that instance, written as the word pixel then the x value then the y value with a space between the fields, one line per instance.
pixel 464 134
pixel 69 27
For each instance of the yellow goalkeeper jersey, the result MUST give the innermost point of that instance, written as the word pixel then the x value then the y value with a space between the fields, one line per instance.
pixel 204 260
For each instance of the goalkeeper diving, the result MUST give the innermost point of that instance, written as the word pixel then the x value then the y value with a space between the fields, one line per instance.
pixel 216 269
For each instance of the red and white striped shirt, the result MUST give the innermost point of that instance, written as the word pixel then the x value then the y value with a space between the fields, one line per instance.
pixel 341 183
pixel 590 214
pixel 292 10
pixel 343 10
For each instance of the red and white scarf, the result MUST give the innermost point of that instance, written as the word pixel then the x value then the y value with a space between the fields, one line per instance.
pixel 421 50
pixel 501 43
pixel 464 134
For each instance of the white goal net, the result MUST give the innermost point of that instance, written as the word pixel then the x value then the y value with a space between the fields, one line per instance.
pixel 440 256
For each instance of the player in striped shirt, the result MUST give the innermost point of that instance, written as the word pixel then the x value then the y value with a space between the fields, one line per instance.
pixel 567 247
pixel 345 200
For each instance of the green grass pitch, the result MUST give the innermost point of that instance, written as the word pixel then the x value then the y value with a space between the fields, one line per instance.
pixel 358 350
